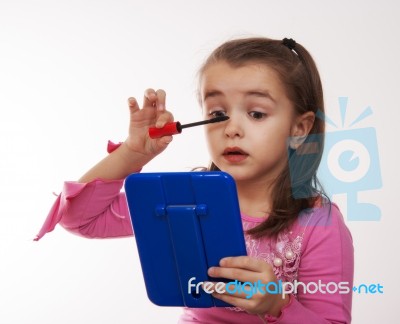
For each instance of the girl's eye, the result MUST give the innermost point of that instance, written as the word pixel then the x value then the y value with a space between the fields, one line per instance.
pixel 257 114
pixel 217 113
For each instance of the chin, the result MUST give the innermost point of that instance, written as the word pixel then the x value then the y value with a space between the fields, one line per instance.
pixel 238 174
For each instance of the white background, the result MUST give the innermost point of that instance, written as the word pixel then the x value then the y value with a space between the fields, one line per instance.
pixel 66 70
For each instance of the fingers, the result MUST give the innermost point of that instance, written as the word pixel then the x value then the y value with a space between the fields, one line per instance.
pixel 150 98
pixel 230 299
pixel 242 268
pixel 164 141
pixel 133 105
pixel 233 274
pixel 153 112
pixel 161 96
pixel 249 296
pixel 244 262
pixel 233 288
pixel 154 99
pixel 254 286
pixel 254 298
pixel 163 118
pixel 250 305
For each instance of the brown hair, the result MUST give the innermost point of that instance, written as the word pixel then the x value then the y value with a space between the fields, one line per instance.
pixel 297 187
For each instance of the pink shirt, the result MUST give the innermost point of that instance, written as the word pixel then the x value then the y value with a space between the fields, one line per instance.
pixel 317 249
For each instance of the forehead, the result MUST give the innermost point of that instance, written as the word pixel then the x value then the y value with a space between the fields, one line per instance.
pixel 225 78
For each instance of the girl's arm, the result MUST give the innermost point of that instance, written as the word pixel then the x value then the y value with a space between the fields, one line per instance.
pixel 94 207
pixel 326 268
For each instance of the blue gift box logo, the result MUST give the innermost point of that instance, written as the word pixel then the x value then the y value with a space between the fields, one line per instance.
pixel 349 164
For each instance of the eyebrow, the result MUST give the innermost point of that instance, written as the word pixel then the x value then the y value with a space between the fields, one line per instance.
pixel 260 93
pixel 212 93
pixel 255 93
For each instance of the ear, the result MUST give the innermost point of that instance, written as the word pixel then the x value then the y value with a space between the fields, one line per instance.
pixel 301 128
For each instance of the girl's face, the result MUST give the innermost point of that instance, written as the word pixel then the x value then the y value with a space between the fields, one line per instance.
pixel 252 144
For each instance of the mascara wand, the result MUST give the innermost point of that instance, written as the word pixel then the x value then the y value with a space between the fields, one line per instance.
pixel 176 127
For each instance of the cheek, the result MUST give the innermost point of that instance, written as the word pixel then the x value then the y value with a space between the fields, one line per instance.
pixel 279 129
pixel 275 140
pixel 210 140
pixel 203 112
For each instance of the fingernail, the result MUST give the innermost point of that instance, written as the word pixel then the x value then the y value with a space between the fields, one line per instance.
pixel 223 261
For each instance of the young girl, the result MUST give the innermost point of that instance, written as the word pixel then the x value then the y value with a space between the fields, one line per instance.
pixel 271 91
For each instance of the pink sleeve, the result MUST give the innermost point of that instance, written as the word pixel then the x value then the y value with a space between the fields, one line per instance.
pixel 327 257
pixel 96 209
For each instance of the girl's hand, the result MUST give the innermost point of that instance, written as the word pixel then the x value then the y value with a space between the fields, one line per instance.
pixel 249 269
pixel 152 113
pixel 138 149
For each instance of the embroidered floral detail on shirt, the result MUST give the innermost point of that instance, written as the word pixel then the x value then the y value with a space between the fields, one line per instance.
pixel 282 253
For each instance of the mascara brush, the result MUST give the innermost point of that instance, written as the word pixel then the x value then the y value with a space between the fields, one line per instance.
pixel 176 127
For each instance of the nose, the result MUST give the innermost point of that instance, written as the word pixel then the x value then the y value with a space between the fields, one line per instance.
pixel 234 127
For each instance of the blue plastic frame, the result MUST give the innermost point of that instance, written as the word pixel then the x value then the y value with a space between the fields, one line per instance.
pixel 184 223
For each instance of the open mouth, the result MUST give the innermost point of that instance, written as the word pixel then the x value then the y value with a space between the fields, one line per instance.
pixel 235 154
pixel 234 151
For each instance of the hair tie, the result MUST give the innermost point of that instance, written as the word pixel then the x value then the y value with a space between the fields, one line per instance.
pixel 290 43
